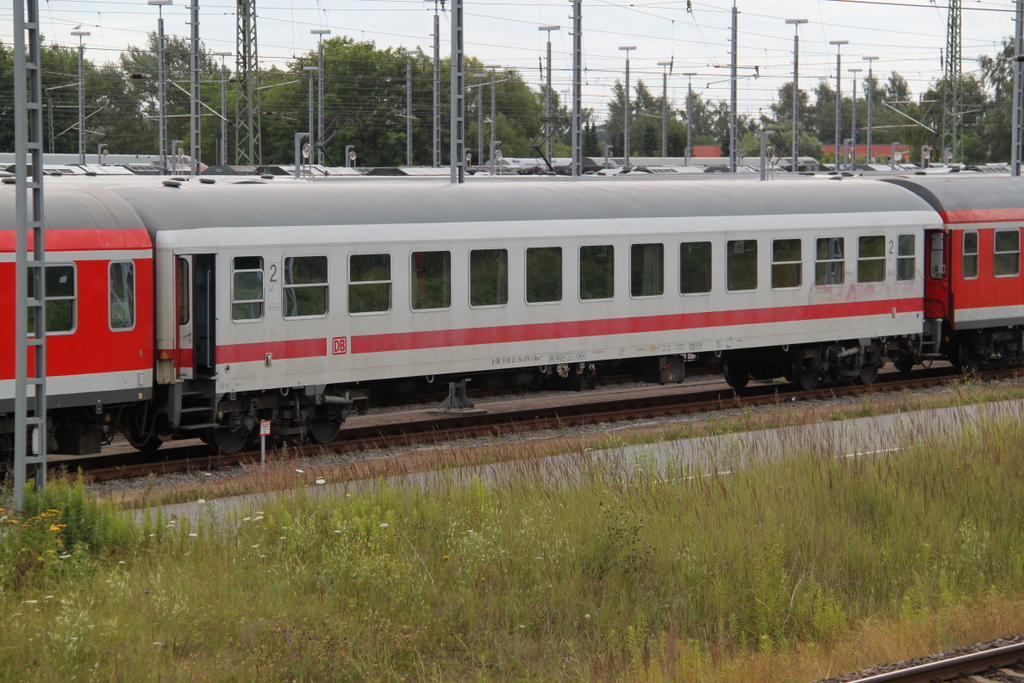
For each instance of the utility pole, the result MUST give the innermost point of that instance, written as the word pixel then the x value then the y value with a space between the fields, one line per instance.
pixel 81 94
pixel 625 111
pixel 667 68
pixel 871 100
pixel 577 88
pixel 839 92
pixel 222 156
pixel 161 83
pixel 194 118
pixel 437 85
pixel 734 133
pixel 494 114
pixel 853 123
pixel 952 96
pixel 458 87
pixel 1018 90
pixel 409 54
pixel 318 145
pixel 547 93
pixel 248 140
pixel 795 150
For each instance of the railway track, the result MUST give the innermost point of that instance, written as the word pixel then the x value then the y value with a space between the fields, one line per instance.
pixel 1003 664
pixel 435 426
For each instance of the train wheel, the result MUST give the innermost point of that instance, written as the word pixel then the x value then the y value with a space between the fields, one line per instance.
pixel 736 376
pixel 804 378
pixel 904 362
pixel 868 373
pixel 966 361
pixel 228 441
pixel 324 429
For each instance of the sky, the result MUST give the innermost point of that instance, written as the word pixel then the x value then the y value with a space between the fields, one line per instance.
pixel 907 36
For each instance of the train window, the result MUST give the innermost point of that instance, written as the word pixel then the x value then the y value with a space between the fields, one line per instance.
pixel 246 288
pixel 183 283
pixel 695 267
pixel 871 258
pixel 906 248
pixel 829 266
pixel 741 265
pixel 488 277
pixel 1006 262
pixel 647 270
pixel 597 272
pixel 305 286
pixel 122 295
pixel 970 263
pixel 431 279
pixel 786 264
pixel 369 283
pixel 543 274
pixel 60 300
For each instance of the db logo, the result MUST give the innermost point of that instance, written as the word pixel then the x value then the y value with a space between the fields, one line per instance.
pixel 340 345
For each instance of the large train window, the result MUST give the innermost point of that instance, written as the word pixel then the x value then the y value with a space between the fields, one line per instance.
pixel 247 288
pixel 647 269
pixel 305 286
pixel 871 259
pixel 543 275
pixel 60 300
pixel 488 277
pixel 829 264
pixel 122 295
pixel 369 283
pixel 741 265
pixel 906 250
pixel 431 280
pixel 1006 260
pixel 597 272
pixel 787 264
pixel 970 257
pixel 695 267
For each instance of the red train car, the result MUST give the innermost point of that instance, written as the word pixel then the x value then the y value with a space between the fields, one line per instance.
pixel 99 310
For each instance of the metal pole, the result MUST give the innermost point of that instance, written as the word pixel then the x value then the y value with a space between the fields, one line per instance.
pixel 409 105
pixel 839 90
pixel 81 94
pixel 223 147
pixel 319 140
pixel 734 133
pixel 853 117
pixel 689 116
pixel 547 93
pixel 494 116
pixel 871 100
pixel 577 88
pixel 1018 90
pixel 458 87
pixel 480 123
pixel 625 111
pixel 795 149
pixel 195 122
pixel 664 107
pixel 437 87
pixel 161 83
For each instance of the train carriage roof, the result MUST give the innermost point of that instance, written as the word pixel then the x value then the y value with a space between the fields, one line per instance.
pixel 971 193
pixel 292 203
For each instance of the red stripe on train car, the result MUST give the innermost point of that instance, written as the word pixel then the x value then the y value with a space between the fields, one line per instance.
pixel 407 341
pixel 982 216
pixel 257 351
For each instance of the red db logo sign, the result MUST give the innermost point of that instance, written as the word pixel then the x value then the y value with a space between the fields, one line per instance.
pixel 340 345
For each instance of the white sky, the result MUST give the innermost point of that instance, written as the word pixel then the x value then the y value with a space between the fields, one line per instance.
pixel 908 36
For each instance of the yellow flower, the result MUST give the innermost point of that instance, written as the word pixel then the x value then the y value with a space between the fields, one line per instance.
pixel 57 527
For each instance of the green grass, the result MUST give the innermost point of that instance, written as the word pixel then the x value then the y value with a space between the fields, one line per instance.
pixel 598 569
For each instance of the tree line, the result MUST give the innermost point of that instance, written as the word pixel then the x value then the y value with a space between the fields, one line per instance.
pixel 365 107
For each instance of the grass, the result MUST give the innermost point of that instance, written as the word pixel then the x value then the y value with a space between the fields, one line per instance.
pixel 594 568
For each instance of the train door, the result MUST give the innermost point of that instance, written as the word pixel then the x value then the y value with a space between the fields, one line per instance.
pixel 195 298
pixel 936 283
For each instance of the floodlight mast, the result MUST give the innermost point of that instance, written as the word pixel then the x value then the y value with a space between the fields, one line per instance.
pixel 667 67
pixel 547 93
pixel 81 94
pixel 223 146
pixel 795 150
pixel 161 83
pixel 853 118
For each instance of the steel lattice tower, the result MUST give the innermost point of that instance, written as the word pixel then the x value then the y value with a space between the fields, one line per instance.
pixel 248 149
pixel 952 97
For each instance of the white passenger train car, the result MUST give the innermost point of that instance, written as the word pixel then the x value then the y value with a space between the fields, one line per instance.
pixel 277 300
